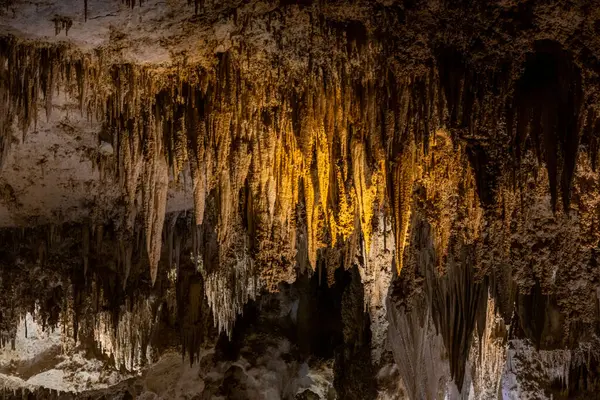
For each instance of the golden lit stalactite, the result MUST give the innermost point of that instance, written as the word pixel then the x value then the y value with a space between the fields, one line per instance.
pixel 222 136
pixel 366 192
pixel 341 104
pixel 265 146
pixel 342 224
pixel 323 164
pixel 261 142
pixel 159 188
pixel 271 190
pixel 307 126
pixel 312 219
pixel 225 206
pixel 286 178
pixel 287 170
pixel 241 159
pixel 199 167
pixel 274 178
pixel 443 169
pixel 404 176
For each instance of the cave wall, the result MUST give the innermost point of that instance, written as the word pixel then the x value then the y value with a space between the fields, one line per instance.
pixel 449 147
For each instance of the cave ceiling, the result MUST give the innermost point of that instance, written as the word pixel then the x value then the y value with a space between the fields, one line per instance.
pixel 351 199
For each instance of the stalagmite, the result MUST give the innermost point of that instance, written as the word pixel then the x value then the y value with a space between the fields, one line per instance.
pixel 419 352
pixel 488 354
pixel 376 276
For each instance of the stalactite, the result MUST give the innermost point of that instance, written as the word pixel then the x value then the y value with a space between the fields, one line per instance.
pixel 404 175
pixel 86 249
pixel 156 184
pixel 313 150
pixel 322 148
pixel 366 192
pixel 61 23
pixel 180 157
pixel 125 255
pixel 132 3
pixel 550 82
pixel 342 223
pixel 552 367
pixel 457 295
pixel 312 221
pixel 126 338
pixel 229 146
pixel 229 287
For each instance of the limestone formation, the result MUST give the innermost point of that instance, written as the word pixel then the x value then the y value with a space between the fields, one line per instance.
pixel 411 186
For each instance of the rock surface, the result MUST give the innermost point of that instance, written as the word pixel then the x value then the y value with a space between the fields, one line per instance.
pixel 310 199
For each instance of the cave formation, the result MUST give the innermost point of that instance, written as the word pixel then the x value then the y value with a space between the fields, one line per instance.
pixel 353 199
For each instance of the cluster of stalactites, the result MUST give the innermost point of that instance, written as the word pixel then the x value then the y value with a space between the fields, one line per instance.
pixel 311 159
pixel 127 342
pixel 438 276
pixel 314 157
pixel 32 75
pixel 312 145
pixel 228 291
pixel 553 367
